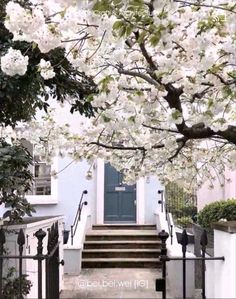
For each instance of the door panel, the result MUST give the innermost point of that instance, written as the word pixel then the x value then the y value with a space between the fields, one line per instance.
pixel 120 199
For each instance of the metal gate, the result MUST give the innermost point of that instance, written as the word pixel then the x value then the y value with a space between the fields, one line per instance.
pixel 161 283
pixel 51 261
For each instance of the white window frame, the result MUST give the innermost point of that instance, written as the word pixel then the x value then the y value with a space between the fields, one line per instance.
pixel 47 199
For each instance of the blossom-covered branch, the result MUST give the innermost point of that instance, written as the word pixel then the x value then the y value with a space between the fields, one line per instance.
pixel 160 76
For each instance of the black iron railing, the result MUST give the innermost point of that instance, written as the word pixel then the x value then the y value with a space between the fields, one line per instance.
pixel 74 226
pixel 161 283
pixel 181 204
pixel 51 265
pixel 164 207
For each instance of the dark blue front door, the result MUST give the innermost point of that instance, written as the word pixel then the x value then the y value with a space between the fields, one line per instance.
pixel 120 199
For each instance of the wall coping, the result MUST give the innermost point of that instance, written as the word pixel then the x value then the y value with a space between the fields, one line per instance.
pixel 35 222
pixel 227 226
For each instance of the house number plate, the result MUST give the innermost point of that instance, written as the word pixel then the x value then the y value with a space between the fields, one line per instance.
pixel 119 188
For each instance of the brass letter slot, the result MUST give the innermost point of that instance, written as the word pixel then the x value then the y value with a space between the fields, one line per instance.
pixel 119 188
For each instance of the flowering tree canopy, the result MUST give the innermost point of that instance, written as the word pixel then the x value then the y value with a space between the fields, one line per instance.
pixel 161 75
pixel 30 74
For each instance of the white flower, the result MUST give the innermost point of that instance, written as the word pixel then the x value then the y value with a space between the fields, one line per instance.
pixel 47 38
pixel 46 70
pixel 22 22
pixel 14 63
pixel 66 3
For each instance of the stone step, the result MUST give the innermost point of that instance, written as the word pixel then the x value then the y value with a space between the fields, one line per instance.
pixel 124 227
pixel 121 235
pixel 119 244
pixel 120 253
pixel 121 263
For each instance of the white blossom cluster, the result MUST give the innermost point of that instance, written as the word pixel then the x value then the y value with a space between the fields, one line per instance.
pixel 14 63
pixel 192 48
pixel 46 70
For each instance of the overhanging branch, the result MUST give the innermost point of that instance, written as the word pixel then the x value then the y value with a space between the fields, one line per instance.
pixel 207 5
pixel 140 75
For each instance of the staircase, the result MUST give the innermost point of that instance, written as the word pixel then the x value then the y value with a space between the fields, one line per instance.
pixel 121 246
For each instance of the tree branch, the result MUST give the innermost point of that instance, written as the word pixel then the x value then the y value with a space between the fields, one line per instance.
pixel 145 53
pixel 133 148
pixel 180 147
pixel 118 147
pixel 140 75
pixel 222 80
pixel 160 129
pixel 207 5
pixel 229 134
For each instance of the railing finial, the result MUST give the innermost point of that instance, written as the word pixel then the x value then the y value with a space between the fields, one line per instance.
pixel 2 236
pixel 21 238
pixel 204 239
pixel 184 238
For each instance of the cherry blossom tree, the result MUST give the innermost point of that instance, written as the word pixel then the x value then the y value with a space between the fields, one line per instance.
pixel 30 74
pixel 163 76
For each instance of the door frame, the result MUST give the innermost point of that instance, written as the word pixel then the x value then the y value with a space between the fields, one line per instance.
pixel 100 192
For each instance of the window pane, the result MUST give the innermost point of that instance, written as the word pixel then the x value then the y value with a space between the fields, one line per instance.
pixel 42 178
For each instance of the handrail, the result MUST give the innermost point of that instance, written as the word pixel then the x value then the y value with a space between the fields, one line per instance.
pixel 73 227
pixel 164 206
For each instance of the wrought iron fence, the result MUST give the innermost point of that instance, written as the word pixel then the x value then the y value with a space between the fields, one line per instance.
pixel 51 262
pixel 161 283
pixel 181 204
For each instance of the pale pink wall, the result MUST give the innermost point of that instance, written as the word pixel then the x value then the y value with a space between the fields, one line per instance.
pixel 206 195
pixel 230 190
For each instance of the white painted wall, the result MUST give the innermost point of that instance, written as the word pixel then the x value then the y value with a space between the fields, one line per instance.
pixel 73 252
pixel 210 278
pixel 175 273
pixel 152 185
pixel 221 275
pixel 71 183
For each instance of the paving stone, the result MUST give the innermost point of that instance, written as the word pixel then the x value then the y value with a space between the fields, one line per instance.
pixel 112 283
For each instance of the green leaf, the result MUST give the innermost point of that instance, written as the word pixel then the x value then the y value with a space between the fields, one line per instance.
pixel 131 119
pixel 102 6
pixel 155 38
pixel 106 119
pixel 142 37
pixel 117 25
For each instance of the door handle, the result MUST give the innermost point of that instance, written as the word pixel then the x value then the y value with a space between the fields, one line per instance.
pixel 62 262
pixel 135 202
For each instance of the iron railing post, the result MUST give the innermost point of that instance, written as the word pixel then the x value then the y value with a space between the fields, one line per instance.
pixel 71 234
pixel 184 243
pixel 163 235
pixel 2 242
pixel 203 242
pixel 52 263
pixel 162 200
pixel 171 234
pixel 40 235
pixel 21 243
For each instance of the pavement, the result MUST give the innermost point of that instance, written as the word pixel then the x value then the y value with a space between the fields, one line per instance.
pixel 112 283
